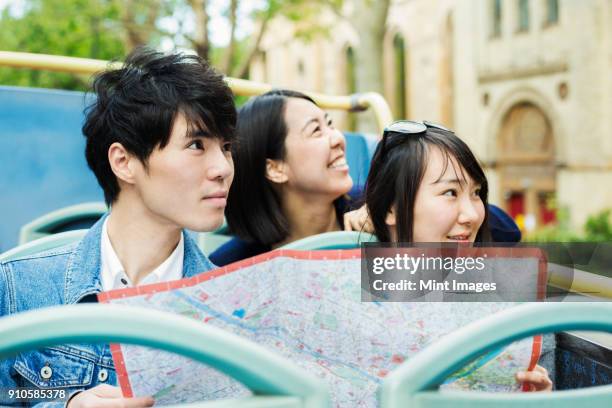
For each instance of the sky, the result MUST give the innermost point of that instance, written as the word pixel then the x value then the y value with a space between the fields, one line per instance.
pixel 16 6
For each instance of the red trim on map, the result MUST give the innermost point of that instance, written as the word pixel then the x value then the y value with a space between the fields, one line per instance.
pixel 332 255
pixel 542 276
pixel 536 350
pixel 121 371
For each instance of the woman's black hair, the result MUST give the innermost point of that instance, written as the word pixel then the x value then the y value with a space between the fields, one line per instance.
pixel 254 209
pixel 396 173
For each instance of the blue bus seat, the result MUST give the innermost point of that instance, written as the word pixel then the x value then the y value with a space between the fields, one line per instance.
pixel 42 155
pixel 359 151
pixel 208 242
pixel 79 216
pixel 331 240
pixel 43 244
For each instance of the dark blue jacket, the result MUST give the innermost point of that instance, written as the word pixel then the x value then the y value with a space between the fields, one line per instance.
pixel 62 276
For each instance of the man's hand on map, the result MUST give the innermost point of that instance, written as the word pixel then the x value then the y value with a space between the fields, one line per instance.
pixel 107 396
pixel 536 380
pixel 358 220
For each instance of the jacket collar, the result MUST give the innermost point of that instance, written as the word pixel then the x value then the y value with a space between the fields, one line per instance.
pixel 84 264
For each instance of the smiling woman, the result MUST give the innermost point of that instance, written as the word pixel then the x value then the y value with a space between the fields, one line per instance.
pixel 291 177
pixel 425 185
pixel 438 190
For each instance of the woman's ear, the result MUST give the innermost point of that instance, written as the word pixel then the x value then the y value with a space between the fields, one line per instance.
pixel 391 222
pixel 122 162
pixel 276 171
pixel 390 219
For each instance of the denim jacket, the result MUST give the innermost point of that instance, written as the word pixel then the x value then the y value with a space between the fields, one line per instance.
pixel 65 275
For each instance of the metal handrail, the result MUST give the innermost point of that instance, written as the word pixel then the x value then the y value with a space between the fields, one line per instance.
pixel 355 102
pixel 574 280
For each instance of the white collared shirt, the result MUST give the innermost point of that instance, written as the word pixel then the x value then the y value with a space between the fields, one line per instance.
pixel 113 276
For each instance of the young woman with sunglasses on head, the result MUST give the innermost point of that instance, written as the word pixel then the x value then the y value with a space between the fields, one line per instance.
pixel 425 185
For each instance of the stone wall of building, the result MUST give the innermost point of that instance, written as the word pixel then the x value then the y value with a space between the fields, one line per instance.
pixel 545 90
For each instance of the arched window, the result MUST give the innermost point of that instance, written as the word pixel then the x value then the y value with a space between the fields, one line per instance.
pixel 552 11
pixel 523 15
pixel 496 9
pixel 526 165
pixel 399 57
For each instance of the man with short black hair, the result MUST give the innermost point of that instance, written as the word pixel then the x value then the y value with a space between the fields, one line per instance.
pixel 159 142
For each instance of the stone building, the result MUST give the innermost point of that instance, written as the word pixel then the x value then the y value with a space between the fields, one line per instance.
pixel 527 84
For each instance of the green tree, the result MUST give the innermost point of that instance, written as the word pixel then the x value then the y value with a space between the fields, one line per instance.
pixel 598 227
pixel 142 23
pixel 79 28
pixel 109 29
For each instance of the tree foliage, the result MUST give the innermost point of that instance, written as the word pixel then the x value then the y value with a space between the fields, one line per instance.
pixel 79 28
pixel 597 228
pixel 109 29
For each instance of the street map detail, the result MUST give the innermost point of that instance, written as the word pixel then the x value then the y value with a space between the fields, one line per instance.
pixel 306 306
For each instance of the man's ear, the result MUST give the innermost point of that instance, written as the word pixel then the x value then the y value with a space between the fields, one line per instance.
pixel 122 162
pixel 390 219
pixel 276 171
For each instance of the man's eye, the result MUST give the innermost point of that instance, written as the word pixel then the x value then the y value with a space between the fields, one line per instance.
pixel 316 131
pixel 196 145
pixel 330 123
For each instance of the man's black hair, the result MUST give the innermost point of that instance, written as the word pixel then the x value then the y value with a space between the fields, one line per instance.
pixel 137 105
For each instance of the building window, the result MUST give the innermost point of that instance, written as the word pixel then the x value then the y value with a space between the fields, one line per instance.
pixel 399 52
pixel 497 18
pixel 523 15
pixel 552 12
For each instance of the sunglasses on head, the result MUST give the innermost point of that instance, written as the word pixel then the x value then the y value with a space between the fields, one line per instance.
pixel 409 127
